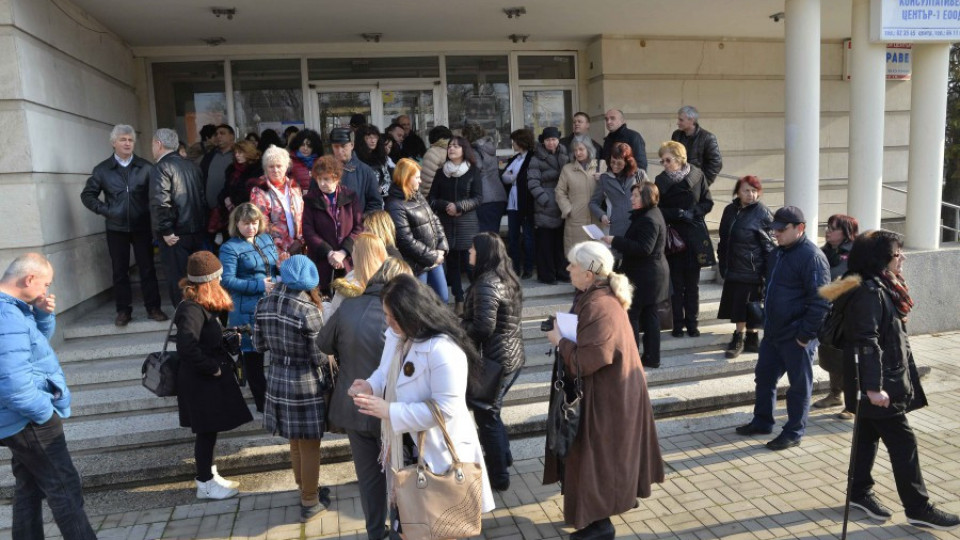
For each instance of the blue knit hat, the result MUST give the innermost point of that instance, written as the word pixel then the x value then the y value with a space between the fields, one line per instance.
pixel 299 273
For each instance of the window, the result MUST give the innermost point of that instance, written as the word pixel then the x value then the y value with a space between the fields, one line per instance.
pixel 542 67
pixel 478 90
pixel 189 95
pixel 339 69
pixel 546 108
pixel 266 94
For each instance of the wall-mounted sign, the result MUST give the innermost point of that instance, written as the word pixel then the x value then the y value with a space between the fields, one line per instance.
pixel 899 60
pixel 915 20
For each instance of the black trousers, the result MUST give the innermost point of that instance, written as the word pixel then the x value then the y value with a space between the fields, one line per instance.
pixel 174 260
pixel 203 454
pixel 646 319
pixel 453 265
pixel 685 293
pixel 253 371
pixel 365 447
pixel 118 245
pixel 901 445
pixel 551 262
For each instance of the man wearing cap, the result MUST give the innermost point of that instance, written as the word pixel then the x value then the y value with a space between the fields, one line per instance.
pixel 793 314
pixel 619 132
pixel 356 174
pixel 34 399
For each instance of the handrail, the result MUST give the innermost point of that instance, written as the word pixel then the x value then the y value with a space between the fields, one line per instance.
pixel 955 229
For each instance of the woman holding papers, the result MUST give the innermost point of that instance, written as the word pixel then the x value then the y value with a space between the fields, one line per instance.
pixel 615 456
pixel 645 265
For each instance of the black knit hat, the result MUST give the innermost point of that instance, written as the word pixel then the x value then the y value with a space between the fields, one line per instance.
pixel 203 267
pixel 550 133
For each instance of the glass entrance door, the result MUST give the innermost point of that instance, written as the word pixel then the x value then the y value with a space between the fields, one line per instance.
pixel 337 106
pixel 380 104
pixel 418 104
pixel 548 108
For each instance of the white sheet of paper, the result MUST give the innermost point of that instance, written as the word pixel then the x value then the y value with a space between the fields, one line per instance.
pixel 567 325
pixel 593 231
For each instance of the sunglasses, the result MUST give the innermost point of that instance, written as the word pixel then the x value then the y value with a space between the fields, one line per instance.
pixel 666 160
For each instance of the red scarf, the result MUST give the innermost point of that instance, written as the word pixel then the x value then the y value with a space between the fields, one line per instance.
pixel 899 292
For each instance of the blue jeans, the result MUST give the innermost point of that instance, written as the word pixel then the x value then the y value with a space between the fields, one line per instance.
pixel 777 358
pixel 43 469
pixel 518 252
pixel 437 281
pixel 493 437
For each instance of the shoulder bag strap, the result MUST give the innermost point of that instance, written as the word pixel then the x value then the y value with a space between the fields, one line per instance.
pixel 421 436
pixel 173 319
pixel 266 262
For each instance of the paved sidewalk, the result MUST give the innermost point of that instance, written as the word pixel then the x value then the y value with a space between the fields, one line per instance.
pixel 718 485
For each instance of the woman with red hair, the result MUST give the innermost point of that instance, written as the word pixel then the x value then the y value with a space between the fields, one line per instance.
pixel 614 188
pixel 742 255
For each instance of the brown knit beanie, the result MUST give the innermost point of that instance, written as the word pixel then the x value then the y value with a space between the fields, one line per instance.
pixel 203 266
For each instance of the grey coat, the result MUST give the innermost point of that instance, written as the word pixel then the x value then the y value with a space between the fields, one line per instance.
pixel 490 173
pixel 543 175
pixel 617 195
pixel 355 335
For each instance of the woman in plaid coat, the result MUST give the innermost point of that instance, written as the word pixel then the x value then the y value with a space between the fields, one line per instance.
pixel 286 326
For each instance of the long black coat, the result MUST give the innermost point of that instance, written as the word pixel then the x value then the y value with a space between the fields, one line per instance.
pixel 873 329
pixel 744 242
pixel 702 151
pixel 644 262
pixel 420 237
pixel 543 176
pixel 355 335
pixel 492 314
pixel 207 403
pixel 684 205
pixel 466 192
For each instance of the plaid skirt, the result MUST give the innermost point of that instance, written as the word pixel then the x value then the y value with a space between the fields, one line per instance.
pixel 294 406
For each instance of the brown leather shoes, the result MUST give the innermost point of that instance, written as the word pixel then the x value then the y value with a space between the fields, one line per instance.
pixel 123 318
pixel 157 314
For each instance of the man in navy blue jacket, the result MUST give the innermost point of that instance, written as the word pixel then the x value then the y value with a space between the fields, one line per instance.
pixel 793 314
pixel 33 399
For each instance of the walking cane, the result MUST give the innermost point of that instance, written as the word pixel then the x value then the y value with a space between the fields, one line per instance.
pixel 853 451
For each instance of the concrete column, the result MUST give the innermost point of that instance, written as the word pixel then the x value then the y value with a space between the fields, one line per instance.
pixel 928 115
pixel 867 94
pixel 802 137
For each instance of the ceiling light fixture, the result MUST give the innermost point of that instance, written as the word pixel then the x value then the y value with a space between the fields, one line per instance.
pixel 515 12
pixel 375 37
pixel 224 12
pixel 214 41
pixel 517 38
pixel 777 16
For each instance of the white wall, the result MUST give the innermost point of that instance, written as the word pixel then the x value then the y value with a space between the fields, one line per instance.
pixel 738 87
pixel 64 82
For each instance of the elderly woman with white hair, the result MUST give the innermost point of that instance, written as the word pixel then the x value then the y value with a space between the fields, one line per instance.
pixel 578 181
pixel 615 456
pixel 281 200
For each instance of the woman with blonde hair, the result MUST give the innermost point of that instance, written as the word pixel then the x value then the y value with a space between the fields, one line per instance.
pixel 249 261
pixel 381 224
pixel 615 456
pixel 208 395
pixel 281 200
pixel 684 201
pixel 368 254
pixel 420 236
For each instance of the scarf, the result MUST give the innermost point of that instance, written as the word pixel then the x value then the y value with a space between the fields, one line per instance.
pixel 899 293
pixel 679 174
pixel 391 453
pixel 455 171
pixel 307 160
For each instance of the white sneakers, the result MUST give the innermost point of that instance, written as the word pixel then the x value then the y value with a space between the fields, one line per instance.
pixel 223 481
pixel 217 487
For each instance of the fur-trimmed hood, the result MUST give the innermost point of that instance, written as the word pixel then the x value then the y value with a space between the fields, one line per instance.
pixel 835 289
pixel 347 288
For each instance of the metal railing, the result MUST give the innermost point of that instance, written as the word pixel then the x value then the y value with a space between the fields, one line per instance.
pixel 945 209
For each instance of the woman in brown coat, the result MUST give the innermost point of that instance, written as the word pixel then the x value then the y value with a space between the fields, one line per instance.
pixel 615 456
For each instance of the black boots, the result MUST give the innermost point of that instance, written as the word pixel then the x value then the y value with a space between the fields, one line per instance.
pixel 735 347
pixel 752 342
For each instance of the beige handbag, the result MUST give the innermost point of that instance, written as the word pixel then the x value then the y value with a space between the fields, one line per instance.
pixel 439 506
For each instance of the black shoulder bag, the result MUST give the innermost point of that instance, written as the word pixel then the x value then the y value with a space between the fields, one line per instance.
pixel 563 416
pixel 159 371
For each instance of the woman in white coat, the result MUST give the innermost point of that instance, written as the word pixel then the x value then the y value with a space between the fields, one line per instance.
pixel 426 356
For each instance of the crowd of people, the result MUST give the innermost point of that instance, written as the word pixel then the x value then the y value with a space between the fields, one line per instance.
pixel 342 265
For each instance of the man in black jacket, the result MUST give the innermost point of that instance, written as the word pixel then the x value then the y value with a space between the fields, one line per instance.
pixel 619 132
pixel 702 148
pixel 123 178
pixel 412 146
pixel 178 210
pixel 581 126
pixel 793 315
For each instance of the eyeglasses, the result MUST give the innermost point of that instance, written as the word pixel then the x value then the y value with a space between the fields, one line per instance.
pixel 898 255
pixel 666 160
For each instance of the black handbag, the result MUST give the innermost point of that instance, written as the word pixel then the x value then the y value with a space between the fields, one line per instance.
pixel 484 388
pixel 158 373
pixel 674 242
pixel 755 314
pixel 563 416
